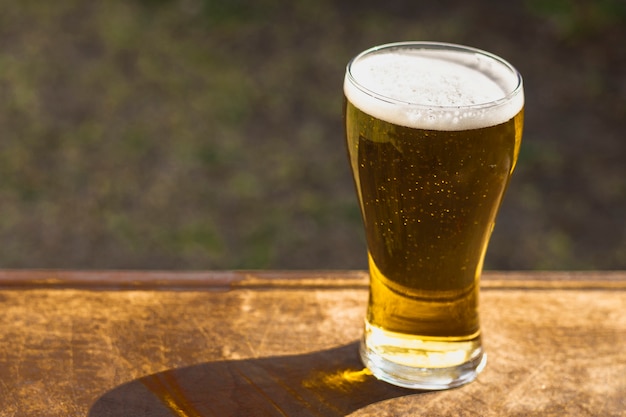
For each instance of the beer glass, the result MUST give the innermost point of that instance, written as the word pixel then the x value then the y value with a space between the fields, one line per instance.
pixel 433 132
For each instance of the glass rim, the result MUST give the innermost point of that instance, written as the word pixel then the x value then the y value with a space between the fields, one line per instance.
pixel 432 45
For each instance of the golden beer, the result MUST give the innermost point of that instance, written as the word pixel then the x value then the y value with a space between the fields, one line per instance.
pixel 433 132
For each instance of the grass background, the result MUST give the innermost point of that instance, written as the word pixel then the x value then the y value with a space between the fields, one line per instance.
pixel 190 134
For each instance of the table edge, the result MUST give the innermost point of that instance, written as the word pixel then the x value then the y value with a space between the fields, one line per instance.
pixel 268 279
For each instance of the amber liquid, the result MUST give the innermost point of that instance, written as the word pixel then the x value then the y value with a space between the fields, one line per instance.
pixel 429 201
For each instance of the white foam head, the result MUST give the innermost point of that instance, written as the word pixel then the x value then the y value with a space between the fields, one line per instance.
pixel 434 86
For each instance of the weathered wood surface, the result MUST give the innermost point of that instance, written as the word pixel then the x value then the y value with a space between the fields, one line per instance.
pixel 146 344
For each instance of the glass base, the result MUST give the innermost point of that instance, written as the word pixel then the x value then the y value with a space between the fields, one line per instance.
pixel 421 364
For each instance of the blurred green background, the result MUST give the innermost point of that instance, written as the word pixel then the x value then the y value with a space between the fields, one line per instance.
pixel 192 134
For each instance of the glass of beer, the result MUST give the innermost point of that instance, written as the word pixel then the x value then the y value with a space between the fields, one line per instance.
pixel 433 132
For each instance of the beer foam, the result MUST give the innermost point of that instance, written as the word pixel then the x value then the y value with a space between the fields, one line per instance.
pixel 436 89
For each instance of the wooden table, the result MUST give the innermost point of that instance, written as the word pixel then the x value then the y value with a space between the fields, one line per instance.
pixel 191 344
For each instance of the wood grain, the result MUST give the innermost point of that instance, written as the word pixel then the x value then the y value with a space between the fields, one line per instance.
pixel 265 343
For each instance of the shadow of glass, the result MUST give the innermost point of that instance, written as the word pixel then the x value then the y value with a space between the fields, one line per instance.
pixel 326 383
